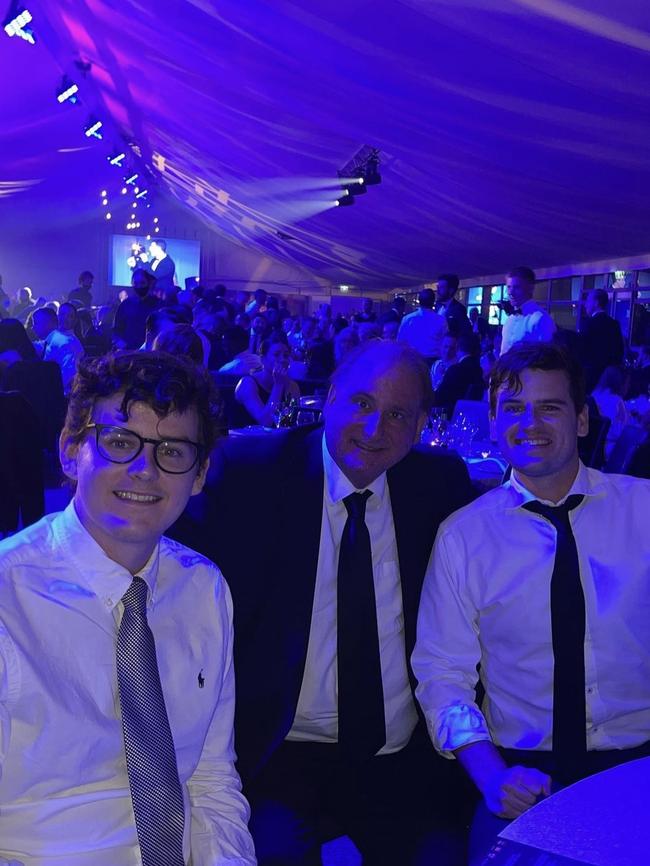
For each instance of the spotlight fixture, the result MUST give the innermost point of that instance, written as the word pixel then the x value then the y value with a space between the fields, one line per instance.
pixel 371 169
pixel 93 129
pixel 142 193
pixel 117 158
pixel 108 216
pixel 67 92
pixel 16 25
pixel 346 199
pixel 130 180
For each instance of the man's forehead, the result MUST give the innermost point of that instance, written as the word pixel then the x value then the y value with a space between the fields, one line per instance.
pixel 536 385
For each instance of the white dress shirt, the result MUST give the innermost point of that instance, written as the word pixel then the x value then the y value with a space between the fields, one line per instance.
pixel 423 330
pixel 486 598
pixel 64 788
pixel 316 715
pixel 65 350
pixel 534 325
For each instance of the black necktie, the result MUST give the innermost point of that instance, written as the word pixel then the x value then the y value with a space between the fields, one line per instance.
pixel 156 791
pixel 362 725
pixel 568 630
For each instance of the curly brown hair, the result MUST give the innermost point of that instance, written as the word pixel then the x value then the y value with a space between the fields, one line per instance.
pixel 161 381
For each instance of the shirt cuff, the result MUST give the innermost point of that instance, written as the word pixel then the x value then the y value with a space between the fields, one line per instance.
pixel 455 726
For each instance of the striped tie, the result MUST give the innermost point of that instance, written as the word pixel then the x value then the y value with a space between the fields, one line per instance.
pixel 150 757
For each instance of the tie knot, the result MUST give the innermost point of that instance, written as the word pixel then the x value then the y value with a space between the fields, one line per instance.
pixel 135 598
pixel 556 514
pixel 355 504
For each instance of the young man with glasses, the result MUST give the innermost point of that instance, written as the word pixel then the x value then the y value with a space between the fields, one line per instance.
pixel 116 680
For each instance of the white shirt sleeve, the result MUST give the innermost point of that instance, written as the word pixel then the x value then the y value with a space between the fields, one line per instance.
pixel 219 811
pixel 447 652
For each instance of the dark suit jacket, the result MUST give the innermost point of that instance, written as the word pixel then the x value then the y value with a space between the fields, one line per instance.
pixel 602 346
pixel 457 381
pixel 457 319
pixel 260 520
pixel 164 273
pixel 21 464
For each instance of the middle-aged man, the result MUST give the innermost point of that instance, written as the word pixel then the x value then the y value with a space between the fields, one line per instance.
pixel 424 329
pixel 543 582
pixel 327 731
pixel 448 306
pixel 528 322
pixel 602 340
pixel 116 675
pixel 81 295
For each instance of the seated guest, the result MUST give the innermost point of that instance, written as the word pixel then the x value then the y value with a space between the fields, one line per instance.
pixel 344 341
pixel 15 345
pixel 540 587
pixel 448 356
pixel 327 730
pixel 389 329
pixel 54 345
pixel 235 347
pixel 181 339
pixel 265 391
pixel 131 315
pixel 161 320
pixel 259 331
pixel 116 653
pixel 640 375
pixel 461 377
pixel 609 395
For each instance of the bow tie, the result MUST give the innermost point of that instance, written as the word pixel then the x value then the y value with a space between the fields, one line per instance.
pixel 516 312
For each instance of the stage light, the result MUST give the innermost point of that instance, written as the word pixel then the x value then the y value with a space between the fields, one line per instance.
pixel 132 216
pixel 103 193
pixel 148 237
pixel 156 229
pixel 346 199
pixel 357 187
pixel 371 172
pixel 155 219
pixel 130 180
pixel 104 201
pixel 136 189
pixel 92 130
pixel 344 288
pixel 16 25
pixel 124 190
pixel 108 216
pixel 134 204
pixel 67 92
pixel 117 158
pixel 142 193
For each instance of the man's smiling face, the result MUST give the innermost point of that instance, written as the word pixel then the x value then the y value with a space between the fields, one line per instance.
pixel 373 416
pixel 537 428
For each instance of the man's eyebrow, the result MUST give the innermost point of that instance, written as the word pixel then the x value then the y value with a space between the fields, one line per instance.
pixel 513 398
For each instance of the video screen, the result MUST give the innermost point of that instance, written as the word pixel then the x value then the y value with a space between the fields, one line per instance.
pixel 185 254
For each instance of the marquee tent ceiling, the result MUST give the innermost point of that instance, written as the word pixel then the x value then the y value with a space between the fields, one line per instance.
pixel 510 131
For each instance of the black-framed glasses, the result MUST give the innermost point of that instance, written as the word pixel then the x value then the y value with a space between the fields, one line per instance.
pixel 119 445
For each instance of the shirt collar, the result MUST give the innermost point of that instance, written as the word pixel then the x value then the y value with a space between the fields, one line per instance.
pixel 584 483
pixel 94 570
pixel 338 485
pixel 529 306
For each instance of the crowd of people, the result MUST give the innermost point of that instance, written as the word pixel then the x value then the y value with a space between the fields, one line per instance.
pixel 377 617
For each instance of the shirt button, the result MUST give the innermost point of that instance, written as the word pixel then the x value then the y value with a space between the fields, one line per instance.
pixel 109 602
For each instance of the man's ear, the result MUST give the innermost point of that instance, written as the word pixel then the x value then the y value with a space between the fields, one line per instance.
pixel 199 481
pixel 68 456
pixel 583 421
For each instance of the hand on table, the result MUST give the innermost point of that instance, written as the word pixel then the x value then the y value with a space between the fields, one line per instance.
pixel 513 790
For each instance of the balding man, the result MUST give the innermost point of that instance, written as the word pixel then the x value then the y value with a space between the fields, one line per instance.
pixel 326 584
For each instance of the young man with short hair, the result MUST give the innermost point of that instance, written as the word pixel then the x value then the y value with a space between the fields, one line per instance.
pixel 542 582
pixel 116 678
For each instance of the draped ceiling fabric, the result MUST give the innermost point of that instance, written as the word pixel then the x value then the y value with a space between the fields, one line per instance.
pixel 511 131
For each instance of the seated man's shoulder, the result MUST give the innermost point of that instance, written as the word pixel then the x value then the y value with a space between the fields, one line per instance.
pixel 189 561
pixel 484 507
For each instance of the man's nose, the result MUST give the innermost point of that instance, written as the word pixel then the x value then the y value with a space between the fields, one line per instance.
pixel 144 464
pixel 374 424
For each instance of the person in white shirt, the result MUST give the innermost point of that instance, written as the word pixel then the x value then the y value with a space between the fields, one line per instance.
pixel 136 446
pixel 488 600
pixel 55 345
pixel 424 329
pixel 528 322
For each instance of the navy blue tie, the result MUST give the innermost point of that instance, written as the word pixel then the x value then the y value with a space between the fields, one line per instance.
pixel 361 720
pixel 568 634
pixel 156 790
